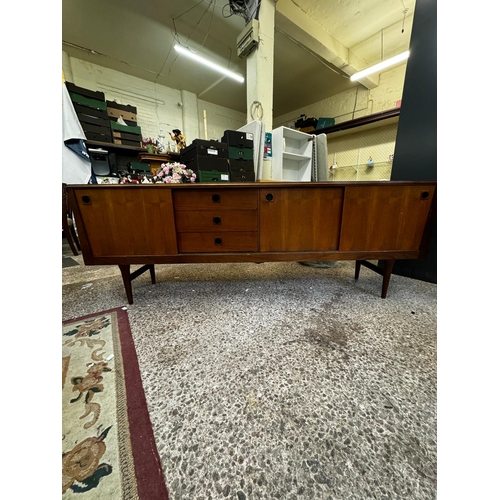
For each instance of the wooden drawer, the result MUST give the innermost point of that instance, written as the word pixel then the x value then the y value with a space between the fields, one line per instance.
pixel 216 220
pixel 215 242
pixel 215 199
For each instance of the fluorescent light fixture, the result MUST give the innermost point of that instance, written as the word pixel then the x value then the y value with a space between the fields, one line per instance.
pixel 381 65
pixel 210 64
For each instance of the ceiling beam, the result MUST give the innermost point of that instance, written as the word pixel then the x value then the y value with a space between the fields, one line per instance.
pixel 305 31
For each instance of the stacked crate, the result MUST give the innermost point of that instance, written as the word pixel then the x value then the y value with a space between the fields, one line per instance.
pixel 91 109
pixel 240 156
pixel 207 159
pixel 128 134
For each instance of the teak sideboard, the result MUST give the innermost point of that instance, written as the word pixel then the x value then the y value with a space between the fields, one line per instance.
pixel 150 224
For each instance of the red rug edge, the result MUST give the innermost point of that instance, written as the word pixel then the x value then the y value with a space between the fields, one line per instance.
pixel 148 470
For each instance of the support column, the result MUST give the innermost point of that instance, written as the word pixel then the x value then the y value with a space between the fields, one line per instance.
pixel 190 119
pixel 260 69
pixel 66 66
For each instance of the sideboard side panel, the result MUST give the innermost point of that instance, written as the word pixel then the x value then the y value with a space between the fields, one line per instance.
pixel 118 222
pixel 385 217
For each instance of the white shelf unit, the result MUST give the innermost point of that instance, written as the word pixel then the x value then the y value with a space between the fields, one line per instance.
pixel 292 155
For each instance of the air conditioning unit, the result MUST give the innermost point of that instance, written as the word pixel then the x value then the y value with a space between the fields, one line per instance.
pixel 248 39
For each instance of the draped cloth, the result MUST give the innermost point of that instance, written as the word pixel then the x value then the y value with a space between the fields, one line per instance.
pixel 76 166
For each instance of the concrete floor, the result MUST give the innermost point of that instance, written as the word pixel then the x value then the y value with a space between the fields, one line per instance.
pixel 280 381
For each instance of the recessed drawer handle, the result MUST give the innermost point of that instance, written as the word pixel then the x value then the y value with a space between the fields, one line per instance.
pixel 269 197
pixel 86 200
pixel 217 220
pixel 218 241
pixel 424 195
pixel 216 198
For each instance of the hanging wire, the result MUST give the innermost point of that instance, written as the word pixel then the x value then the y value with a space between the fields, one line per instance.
pixel 404 17
pixel 256 110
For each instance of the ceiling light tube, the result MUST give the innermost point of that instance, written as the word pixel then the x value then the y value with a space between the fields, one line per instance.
pixel 381 65
pixel 206 62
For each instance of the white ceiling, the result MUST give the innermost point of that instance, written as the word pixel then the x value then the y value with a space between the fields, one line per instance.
pixel 137 38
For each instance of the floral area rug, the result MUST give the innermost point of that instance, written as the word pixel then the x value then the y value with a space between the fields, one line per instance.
pixel 108 447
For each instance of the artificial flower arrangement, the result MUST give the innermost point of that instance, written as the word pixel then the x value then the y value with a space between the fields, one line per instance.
pixel 175 173
pixel 148 141
pixel 150 144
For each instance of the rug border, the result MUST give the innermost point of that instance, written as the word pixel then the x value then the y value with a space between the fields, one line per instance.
pixel 148 470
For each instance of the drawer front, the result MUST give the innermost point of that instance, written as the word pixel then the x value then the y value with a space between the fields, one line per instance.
pixel 215 242
pixel 209 221
pixel 215 199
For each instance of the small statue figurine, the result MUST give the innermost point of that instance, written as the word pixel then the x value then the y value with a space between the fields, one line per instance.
pixel 179 139
pixel 161 142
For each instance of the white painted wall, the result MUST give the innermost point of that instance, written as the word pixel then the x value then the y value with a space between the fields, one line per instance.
pixel 158 107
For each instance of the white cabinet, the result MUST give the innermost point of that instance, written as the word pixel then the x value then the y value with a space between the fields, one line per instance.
pixel 292 155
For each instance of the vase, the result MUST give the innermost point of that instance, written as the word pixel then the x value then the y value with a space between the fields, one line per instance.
pixel 150 148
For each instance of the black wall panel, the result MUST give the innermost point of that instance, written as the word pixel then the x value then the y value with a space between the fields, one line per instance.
pixel 415 154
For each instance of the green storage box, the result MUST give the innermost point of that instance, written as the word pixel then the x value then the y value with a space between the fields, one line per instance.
pixel 87 101
pixel 212 176
pixel 235 152
pixel 125 128
pixel 325 122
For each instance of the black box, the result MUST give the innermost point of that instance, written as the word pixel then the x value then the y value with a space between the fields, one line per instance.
pixel 239 165
pixel 207 163
pixel 237 138
pixel 98 129
pixel 93 120
pixel 201 147
pixel 94 136
pixel 92 94
pixel 242 176
pixel 85 110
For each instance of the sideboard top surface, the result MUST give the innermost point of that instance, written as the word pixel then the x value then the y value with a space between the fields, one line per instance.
pixel 251 185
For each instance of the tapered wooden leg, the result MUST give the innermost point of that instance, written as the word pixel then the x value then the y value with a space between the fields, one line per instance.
pixel 389 264
pixel 358 267
pixel 152 272
pixel 127 281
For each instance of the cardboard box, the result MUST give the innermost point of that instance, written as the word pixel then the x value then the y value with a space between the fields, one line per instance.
pixel 125 142
pixel 124 107
pixel 126 115
pixel 128 137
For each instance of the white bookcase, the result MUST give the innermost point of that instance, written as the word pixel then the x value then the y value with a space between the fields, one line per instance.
pixel 292 155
